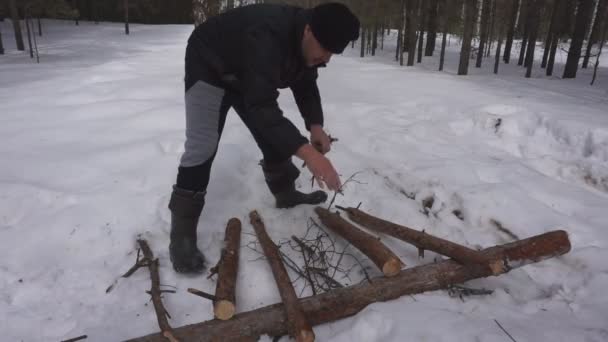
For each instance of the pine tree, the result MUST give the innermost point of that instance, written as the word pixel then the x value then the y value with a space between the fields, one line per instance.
pixel 583 14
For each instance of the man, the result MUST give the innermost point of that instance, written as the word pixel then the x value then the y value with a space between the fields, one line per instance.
pixel 239 59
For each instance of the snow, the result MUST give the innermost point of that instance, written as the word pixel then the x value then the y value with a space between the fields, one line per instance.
pixel 91 139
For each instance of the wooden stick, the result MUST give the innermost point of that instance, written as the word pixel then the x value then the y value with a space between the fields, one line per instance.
pixel 345 302
pixel 297 326
pixel 202 294
pixel 161 312
pixel 225 305
pixel 79 338
pixel 424 241
pixel 386 260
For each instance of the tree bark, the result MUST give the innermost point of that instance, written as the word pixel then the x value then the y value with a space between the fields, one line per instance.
pixel 498 46
pixel 593 36
pixel 490 39
pixel 485 16
pixel 126 9
pixel 445 16
pixel 362 41
pixel 1 45
pixel 297 326
pixel 424 241
pixel 400 35
pixel 384 258
pixel 511 31
pixel 580 27
pixel 431 35
pixel 558 29
pixel 348 301
pixel 225 305
pixel 29 35
pixel 550 33
pixel 535 8
pixel 470 13
pixel 16 25
pixel 602 41
pixel 526 34
pixel 412 9
pixel 155 292
pixel 422 17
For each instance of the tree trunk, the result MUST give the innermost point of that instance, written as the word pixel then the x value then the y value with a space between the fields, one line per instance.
pixel 445 16
pixel 511 31
pixel 384 258
pixel 362 41
pixel 422 16
pixel 535 8
pixel 225 305
pixel 297 325
pixel 412 8
pixel 16 25
pixel 375 40
pixel 498 46
pixel 526 34
pixel 400 35
pixel 558 29
pixel 382 36
pixel 485 17
pixel 550 33
pixel 431 35
pixel 75 5
pixel 593 36
pixel 580 27
pixel 29 35
pixel 423 240
pixel 39 27
pixel 602 41
pixel 1 45
pixel 470 13
pixel 490 39
pixel 126 9
pixel 348 301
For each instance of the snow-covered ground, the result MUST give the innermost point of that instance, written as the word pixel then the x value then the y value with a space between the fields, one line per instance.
pixel 91 138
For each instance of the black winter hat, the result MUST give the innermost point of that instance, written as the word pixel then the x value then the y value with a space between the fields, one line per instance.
pixel 334 26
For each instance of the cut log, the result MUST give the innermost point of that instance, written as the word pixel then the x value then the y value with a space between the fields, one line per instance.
pixel 345 302
pixel 297 325
pixel 225 305
pixel 368 244
pixel 424 241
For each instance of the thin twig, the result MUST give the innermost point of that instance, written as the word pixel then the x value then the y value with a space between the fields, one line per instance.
pixel 506 332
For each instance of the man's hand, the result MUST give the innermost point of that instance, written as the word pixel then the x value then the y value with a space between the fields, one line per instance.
pixel 320 167
pixel 319 139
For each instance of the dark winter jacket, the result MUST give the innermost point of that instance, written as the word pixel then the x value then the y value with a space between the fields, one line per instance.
pixel 255 50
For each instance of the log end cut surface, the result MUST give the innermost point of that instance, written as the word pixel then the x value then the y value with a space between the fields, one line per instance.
pixel 305 336
pixel 392 267
pixel 224 309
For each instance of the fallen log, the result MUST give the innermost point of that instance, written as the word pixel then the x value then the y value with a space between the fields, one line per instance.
pixel 297 324
pixel 345 302
pixel 424 241
pixel 224 306
pixel 368 244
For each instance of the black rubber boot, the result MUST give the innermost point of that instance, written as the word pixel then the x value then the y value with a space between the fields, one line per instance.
pixel 281 178
pixel 186 207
